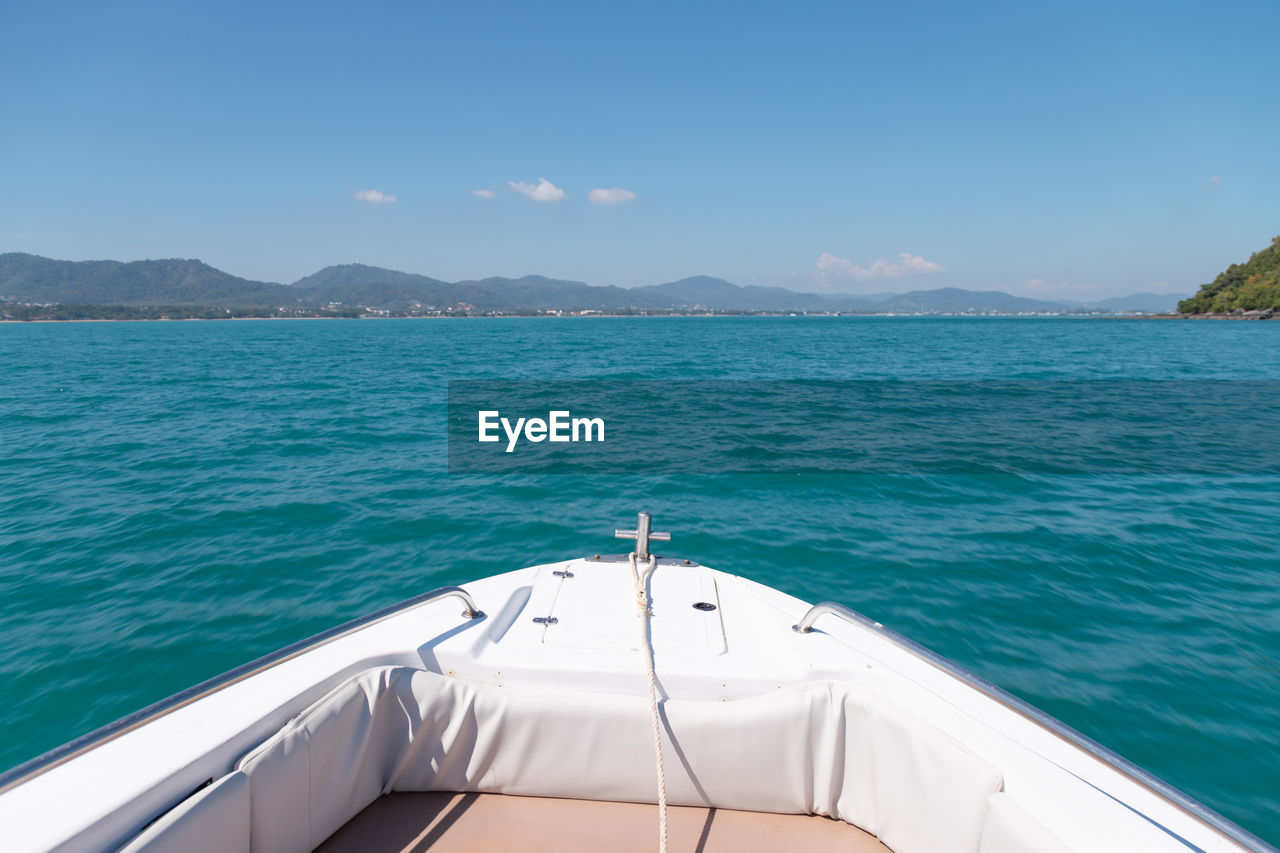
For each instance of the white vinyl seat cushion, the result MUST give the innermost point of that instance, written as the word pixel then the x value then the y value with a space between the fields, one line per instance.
pixel 825 749
pixel 215 819
pixel 828 749
pixel 1009 828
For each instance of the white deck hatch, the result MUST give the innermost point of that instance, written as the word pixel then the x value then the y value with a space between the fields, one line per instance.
pixel 596 609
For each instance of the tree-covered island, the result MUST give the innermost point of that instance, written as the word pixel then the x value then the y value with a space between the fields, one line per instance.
pixel 1251 286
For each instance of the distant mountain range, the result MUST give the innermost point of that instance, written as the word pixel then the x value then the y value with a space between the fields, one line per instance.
pixel 32 279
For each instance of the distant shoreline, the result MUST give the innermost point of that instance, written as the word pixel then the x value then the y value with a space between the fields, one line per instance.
pixel 589 314
pixel 1265 314
pixel 1250 316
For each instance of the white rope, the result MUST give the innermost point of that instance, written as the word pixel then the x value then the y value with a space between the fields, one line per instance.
pixel 645 613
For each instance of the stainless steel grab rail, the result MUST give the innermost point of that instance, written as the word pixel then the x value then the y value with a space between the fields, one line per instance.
pixel 805 625
pixel 62 754
pixel 1154 784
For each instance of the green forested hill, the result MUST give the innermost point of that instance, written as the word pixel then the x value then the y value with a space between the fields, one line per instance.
pixel 1250 286
pixel 361 284
pixel 30 278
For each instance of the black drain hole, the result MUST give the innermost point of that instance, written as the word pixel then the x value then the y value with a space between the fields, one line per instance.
pixel 704 605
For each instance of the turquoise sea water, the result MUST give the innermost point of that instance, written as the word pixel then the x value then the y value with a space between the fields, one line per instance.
pixel 178 498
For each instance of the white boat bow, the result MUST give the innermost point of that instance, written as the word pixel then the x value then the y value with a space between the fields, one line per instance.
pixel 767 706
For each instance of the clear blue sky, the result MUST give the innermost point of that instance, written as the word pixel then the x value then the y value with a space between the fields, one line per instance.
pixel 1077 149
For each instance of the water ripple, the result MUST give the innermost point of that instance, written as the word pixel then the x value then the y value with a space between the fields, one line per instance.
pixel 176 499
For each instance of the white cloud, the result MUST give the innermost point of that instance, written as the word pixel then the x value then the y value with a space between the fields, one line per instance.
pixel 544 190
pixel 484 193
pixel 907 264
pixel 374 196
pixel 610 196
pixel 1216 180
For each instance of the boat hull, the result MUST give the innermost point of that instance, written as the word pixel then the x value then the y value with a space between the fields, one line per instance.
pixel 729 660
